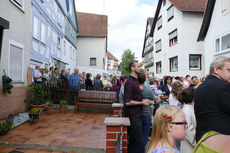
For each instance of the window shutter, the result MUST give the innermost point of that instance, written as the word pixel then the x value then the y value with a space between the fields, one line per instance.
pixel 16 63
pixel 172 34
pixel 159 22
pixel 170 12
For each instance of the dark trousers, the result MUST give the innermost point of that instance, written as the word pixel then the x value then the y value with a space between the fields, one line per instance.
pixel 146 124
pixel 135 136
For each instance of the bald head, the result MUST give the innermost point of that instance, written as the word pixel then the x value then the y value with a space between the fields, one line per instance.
pixel 76 70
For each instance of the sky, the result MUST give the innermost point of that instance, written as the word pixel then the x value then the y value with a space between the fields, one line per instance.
pixel 126 22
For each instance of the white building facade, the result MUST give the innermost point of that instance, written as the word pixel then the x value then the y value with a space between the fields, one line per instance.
pixel 175 29
pixel 92 40
pixel 215 31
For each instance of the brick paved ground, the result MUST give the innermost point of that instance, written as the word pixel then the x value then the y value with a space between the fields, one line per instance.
pixel 83 129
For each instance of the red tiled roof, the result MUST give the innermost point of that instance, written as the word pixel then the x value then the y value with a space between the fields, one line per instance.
pixel 110 56
pixel 190 5
pixel 92 24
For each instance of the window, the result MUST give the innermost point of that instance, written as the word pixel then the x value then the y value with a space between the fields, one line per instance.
pixel 36 28
pixel 16 61
pixel 217 45
pixel 43 33
pixel 173 38
pixel 92 61
pixel 19 4
pixel 70 51
pixel 59 42
pixel 195 62
pixel 170 12
pixel 173 64
pixel 222 44
pixel 225 6
pixel 225 42
pixel 158 67
pixel 64 49
pixel 158 46
pixel 159 23
pixel 59 18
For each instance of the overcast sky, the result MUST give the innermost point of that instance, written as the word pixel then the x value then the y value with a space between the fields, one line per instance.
pixel 126 20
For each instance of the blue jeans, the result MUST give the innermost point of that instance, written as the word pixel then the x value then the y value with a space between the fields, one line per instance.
pixel 146 124
pixel 135 136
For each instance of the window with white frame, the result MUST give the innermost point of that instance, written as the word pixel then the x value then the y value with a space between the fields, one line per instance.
pixel 222 44
pixel 159 23
pixel 173 38
pixel 64 47
pixel 158 67
pixel 70 52
pixel 59 18
pixel 43 33
pixel 36 27
pixel 194 62
pixel 16 61
pixel 158 46
pixel 18 3
pixel 170 12
pixel 225 6
pixel 217 45
pixel 173 64
pixel 92 61
pixel 59 42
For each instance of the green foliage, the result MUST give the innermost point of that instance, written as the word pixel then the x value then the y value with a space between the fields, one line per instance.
pixel 7 86
pixel 63 103
pixel 6 125
pixel 127 57
pixel 37 94
pixel 35 110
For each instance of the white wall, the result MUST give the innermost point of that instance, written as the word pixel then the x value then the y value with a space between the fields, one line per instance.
pixel 166 51
pixel 18 32
pixel 188 26
pixel 69 56
pixel 219 26
pixel 91 47
pixel 191 28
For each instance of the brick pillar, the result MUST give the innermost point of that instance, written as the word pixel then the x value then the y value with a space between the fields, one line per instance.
pixel 118 110
pixel 113 132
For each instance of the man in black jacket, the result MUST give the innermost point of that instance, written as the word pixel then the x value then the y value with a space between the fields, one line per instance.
pixel 212 99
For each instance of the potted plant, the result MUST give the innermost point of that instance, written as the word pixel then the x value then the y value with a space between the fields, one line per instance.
pixel 5 126
pixel 63 106
pixel 37 95
pixel 34 114
pixel 7 84
pixel 50 109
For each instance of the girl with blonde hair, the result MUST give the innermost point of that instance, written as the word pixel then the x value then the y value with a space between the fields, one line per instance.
pixel 169 126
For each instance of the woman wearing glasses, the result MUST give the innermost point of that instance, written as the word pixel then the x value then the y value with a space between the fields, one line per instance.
pixel 187 97
pixel 169 126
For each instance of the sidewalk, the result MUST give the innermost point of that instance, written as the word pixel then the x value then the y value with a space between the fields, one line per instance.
pixel 60 130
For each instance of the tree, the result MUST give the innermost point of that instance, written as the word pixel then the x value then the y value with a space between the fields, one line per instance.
pixel 126 58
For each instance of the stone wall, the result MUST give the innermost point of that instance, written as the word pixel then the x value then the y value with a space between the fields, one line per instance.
pixel 12 103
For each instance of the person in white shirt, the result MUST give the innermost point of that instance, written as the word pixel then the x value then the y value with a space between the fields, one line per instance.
pixel 37 76
pixel 177 88
pixel 187 97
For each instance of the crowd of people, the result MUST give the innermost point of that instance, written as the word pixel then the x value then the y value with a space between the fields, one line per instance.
pixel 76 80
pixel 189 114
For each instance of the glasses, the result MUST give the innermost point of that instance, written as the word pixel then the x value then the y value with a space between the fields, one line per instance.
pixel 181 123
